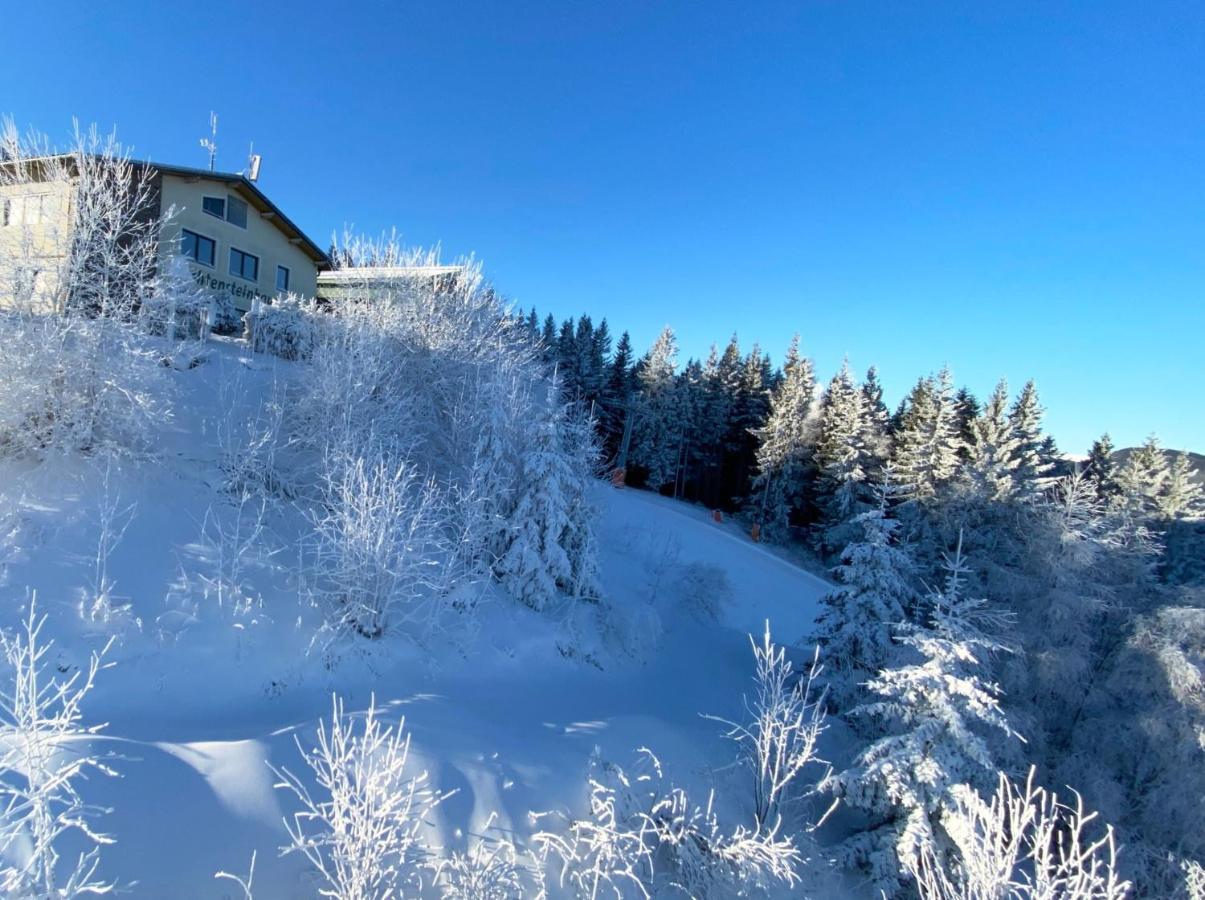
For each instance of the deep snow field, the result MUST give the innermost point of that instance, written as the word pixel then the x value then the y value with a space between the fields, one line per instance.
pixel 506 709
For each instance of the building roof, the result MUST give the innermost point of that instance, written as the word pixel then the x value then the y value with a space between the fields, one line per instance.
pixel 383 273
pixel 257 198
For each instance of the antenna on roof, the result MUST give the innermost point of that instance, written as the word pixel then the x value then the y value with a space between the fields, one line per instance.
pixel 211 143
pixel 253 162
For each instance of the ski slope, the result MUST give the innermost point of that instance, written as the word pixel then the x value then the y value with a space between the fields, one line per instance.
pixel 505 713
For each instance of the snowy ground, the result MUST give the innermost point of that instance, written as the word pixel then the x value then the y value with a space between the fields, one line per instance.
pixel 198 701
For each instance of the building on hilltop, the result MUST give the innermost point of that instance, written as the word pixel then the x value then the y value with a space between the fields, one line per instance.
pixel 235 241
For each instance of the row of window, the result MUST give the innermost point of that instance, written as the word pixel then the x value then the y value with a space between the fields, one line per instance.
pixel 244 265
pixel 31 209
pixel 229 209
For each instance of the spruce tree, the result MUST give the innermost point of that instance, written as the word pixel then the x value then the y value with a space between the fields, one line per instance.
pixel 878 419
pixel 568 372
pixel 656 434
pixel 966 411
pixel 535 563
pixel 1180 496
pixel 873 597
pixel 993 449
pixel 925 451
pixel 617 396
pixel 938 716
pixel 783 450
pixel 841 449
pixel 1035 453
pixel 1141 479
pixel 548 339
pixel 1101 470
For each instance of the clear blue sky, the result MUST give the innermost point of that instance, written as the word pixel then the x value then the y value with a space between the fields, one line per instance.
pixel 1013 188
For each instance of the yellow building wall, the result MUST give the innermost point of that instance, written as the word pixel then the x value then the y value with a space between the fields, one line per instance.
pixel 260 238
pixel 33 243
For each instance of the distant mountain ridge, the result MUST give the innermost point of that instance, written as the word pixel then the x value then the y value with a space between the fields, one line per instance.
pixel 1197 460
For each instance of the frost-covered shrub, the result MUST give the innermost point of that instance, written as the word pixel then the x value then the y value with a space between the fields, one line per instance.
pixel 779 739
pixel 1020 844
pixel 488 870
pixel 703 590
pixel 380 547
pixel 287 327
pixel 434 368
pixel 361 810
pixel 642 837
pixel 75 383
pixel 178 309
pixel 40 778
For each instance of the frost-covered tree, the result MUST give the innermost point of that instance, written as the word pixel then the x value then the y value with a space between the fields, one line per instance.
pixel 966 411
pixel 1101 468
pixel 784 448
pixel 1181 496
pixel 656 436
pixel 873 597
pixel 940 718
pixel 841 454
pixel 581 447
pixel 1141 479
pixel 877 418
pixel 1034 452
pixel 926 446
pixel 535 562
pixel 78 256
pixel 993 450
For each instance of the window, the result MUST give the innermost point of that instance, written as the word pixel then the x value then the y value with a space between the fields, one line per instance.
pixel 198 247
pixel 236 212
pixel 244 265
pixel 282 279
pixel 215 206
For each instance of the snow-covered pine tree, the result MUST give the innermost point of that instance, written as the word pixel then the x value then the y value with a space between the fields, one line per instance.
pixel 873 596
pixel 878 419
pixel 692 401
pixel 588 373
pixel 1180 497
pixel 712 428
pixel 841 450
pixel 655 436
pixel 1141 478
pixel 748 414
pixel 548 339
pixel 568 372
pixel 581 446
pixel 535 562
pixel 925 453
pixel 939 718
pixel 1035 453
pixel 617 396
pixel 600 355
pixel 784 444
pixel 992 469
pixel 1100 468
pixel 966 411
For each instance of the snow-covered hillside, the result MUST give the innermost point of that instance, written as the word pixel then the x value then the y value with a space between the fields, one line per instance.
pixel 505 708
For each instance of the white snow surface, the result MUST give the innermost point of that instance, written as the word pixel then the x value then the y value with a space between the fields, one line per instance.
pixel 198 704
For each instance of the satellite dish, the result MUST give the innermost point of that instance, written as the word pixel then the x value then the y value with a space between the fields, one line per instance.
pixel 255 161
